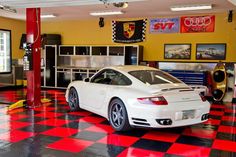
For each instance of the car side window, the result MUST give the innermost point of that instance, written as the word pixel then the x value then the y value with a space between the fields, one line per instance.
pixel 104 77
pixel 111 77
pixel 121 80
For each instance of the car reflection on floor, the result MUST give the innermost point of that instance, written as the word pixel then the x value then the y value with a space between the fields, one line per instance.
pixel 51 130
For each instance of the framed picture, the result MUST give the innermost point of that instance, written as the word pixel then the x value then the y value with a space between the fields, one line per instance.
pixel 211 51
pixel 177 51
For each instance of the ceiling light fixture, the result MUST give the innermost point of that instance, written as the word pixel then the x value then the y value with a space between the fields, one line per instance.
pixel 104 13
pixel 7 8
pixel 121 4
pixel 191 7
pixel 48 16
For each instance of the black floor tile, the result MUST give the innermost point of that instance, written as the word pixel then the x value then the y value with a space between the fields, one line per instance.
pixel 152 145
pixel 36 128
pixel 69 117
pixel 228 123
pixel 89 135
pixel 220 153
pixel 78 125
pixel 33 119
pixel 191 140
pixel 226 136
pixel 101 150
pixel 215 117
pixel 134 132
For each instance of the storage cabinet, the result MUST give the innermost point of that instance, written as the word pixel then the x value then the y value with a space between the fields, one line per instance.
pixel 133 55
pixel 63 77
pixel 116 50
pixel 99 50
pixel 76 62
pixel 82 50
pixel 50 63
pixel 66 50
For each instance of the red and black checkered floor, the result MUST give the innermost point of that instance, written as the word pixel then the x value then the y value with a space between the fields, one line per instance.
pixel 52 131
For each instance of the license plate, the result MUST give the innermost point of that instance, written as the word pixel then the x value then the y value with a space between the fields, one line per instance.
pixel 187 114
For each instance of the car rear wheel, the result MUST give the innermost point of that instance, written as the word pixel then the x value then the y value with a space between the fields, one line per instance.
pixel 118 116
pixel 73 99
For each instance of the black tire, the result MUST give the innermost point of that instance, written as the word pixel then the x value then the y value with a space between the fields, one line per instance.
pixel 73 99
pixel 118 116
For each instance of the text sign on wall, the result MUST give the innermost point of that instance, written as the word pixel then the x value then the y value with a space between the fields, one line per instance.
pixel 191 24
pixel 164 25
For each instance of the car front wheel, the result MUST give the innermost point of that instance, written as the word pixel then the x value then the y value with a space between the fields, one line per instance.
pixel 73 99
pixel 118 116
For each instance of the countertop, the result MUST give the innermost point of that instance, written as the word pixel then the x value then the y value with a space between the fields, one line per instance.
pixel 77 67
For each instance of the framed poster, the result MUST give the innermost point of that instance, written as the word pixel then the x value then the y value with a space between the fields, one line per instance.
pixel 177 51
pixel 211 51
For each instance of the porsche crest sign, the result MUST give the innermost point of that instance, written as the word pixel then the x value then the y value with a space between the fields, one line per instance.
pixel 128 31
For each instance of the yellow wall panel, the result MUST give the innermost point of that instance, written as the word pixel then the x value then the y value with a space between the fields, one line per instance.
pixel 17 27
pixel 89 32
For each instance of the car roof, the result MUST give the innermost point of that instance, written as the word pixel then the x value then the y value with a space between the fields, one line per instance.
pixel 128 68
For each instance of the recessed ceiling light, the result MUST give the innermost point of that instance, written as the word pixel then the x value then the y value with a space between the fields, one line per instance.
pixel 104 13
pixel 191 7
pixel 232 1
pixel 48 16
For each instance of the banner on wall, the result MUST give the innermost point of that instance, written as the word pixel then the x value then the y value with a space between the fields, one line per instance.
pixel 192 24
pixel 129 31
pixel 164 25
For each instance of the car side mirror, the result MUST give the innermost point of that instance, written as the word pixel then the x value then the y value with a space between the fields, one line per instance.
pixel 86 80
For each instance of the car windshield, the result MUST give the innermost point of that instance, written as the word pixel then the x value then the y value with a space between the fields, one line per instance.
pixel 154 77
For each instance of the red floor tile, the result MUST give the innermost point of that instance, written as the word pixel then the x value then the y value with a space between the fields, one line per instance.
pixel 229 110
pixel 15 136
pixel 60 132
pixel 14 125
pixel 199 132
pixel 81 113
pixel 48 114
pixel 212 121
pixel 227 129
pixel 229 118
pixel 189 150
pixel 216 113
pixel 136 152
pixel 43 108
pixel 54 122
pixel 217 106
pixel 161 136
pixel 70 145
pixel 224 145
pixel 118 140
pixel 101 128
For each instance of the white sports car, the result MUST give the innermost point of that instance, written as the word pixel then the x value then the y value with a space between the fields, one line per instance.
pixel 141 96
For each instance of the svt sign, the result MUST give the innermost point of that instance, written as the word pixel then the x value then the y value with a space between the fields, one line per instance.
pixel 164 25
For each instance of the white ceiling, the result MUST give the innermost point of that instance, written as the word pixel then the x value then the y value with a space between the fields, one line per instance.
pixel 80 9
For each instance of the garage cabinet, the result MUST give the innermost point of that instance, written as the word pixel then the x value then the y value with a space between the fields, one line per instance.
pixel 66 63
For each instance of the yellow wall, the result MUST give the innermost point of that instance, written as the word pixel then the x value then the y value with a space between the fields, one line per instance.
pixel 17 27
pixel 88 32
